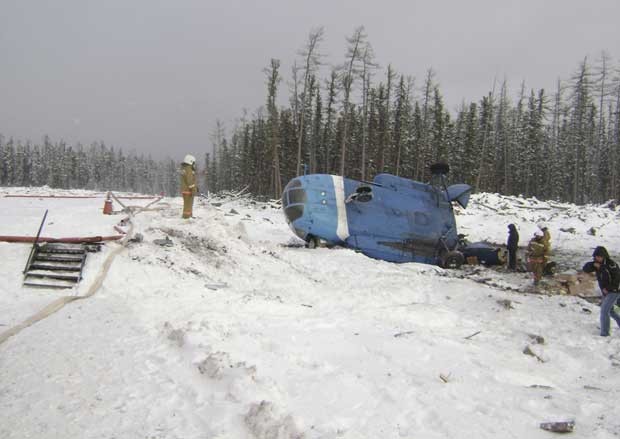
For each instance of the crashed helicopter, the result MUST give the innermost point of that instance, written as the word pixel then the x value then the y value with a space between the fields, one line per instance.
pixel 391 218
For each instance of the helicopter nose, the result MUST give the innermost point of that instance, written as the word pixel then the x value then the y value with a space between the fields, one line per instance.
pixel 315 205
pixel 294 198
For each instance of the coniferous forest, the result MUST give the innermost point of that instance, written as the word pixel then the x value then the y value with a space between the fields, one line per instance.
pixel 359 119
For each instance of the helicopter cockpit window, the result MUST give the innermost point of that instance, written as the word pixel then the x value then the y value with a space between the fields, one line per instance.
pixel 293 212
pixel 297 196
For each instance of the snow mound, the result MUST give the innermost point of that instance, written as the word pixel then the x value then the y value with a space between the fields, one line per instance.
pixel 265 422
pixel 237 331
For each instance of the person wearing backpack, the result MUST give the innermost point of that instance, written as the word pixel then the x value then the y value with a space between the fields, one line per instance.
pixel 608 277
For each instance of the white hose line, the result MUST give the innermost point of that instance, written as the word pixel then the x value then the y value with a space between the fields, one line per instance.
pixel 62 301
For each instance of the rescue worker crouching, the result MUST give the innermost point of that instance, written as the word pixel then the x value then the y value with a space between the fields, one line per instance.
pixel 188 184
pixel 536 256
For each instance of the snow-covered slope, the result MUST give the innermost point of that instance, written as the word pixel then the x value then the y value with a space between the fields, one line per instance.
pixel 237 331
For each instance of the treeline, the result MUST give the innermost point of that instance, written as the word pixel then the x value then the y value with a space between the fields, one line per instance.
pixel 96 167
pixel 358 122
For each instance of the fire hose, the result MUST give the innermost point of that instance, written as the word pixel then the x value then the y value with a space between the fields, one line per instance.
pixel 94 287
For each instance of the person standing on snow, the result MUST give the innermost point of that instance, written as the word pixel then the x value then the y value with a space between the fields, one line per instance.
pixel 512 245
pixel 608 277
pixel 188 184
pixel 548 267
pixel 536 256
pixel 546 240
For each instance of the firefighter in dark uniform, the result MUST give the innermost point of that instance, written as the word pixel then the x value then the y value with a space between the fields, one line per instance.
pixel 188 184
pixel 512 245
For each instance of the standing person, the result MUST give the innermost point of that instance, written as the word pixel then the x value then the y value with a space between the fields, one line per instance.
pixel 512 245
pixel 546 240
pixel 188 184
pixel 608 277
pixel 536 256
pixel 548 267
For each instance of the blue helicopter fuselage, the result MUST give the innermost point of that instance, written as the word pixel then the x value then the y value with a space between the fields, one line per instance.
pixel 392 218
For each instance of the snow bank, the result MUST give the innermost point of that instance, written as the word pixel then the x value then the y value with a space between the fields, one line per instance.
pixel 236 331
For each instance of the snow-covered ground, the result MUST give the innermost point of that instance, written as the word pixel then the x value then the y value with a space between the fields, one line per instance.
pixel 236 331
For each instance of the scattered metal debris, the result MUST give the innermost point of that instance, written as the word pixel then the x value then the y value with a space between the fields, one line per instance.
pixel 216 286
pixel 469 337
pixel 558 427
pixel 537 338
pixel 507 304
pixel 137 238
pixel 166 242
pixel 528 351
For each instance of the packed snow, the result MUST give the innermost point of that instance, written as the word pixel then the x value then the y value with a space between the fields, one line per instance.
pixel 235 330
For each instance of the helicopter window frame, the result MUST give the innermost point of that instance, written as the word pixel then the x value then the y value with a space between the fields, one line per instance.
pixel 294 212
pixel 297 196
pixel 293 184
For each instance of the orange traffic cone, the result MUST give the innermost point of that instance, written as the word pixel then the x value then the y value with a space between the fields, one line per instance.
pixel 107 206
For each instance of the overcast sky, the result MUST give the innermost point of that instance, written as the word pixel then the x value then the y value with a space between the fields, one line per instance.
pixel 154 75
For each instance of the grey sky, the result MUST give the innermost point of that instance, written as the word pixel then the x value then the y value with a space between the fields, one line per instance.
pixel 154 75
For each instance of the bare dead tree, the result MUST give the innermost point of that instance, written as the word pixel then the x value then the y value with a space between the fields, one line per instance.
pixel 368 65
pixel 328 128
pixel 386 134
pixel 615 148
pixel 601 79
pixel 312 62
pixel 423 145
pixel 273 80
pixel 295 93
pixel 350 70
pixel 402 117
pixel 485 135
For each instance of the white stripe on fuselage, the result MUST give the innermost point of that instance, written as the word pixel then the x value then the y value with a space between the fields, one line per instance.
pixel 343 226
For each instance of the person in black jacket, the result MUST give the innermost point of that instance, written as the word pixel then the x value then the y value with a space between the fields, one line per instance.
pixel 512 245
pixel 608 277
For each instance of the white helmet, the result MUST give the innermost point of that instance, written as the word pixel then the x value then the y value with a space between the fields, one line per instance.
pixel 189 159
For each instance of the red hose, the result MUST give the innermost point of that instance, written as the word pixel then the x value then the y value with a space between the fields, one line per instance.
pixel 77 196
pixel 72 240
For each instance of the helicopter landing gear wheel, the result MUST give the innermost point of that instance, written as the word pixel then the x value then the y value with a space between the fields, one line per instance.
pixel 313 242
pixel 453 260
